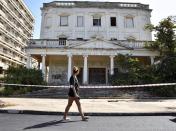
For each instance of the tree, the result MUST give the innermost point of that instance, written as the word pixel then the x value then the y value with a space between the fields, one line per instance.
pixel 165 41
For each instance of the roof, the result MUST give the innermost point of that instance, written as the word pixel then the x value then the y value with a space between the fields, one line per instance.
pixel 95 4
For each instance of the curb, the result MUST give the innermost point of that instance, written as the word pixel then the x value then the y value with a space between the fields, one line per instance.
pixel 33 112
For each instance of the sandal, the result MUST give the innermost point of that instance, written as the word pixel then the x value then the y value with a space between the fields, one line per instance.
pixel 65 120
pixel 85 118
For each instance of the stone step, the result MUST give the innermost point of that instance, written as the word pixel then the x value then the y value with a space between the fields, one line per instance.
pixel 90 93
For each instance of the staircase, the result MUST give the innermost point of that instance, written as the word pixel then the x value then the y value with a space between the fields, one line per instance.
pixel 89 93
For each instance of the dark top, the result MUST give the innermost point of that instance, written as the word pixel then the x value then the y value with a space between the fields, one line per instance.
pixel 73 81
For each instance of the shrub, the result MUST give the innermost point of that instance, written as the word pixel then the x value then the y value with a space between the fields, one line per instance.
pixel 22 75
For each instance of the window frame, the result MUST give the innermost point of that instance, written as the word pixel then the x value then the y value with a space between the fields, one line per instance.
pixel 82 22
pixel 61 21
pixel 126 23
pixel 99 21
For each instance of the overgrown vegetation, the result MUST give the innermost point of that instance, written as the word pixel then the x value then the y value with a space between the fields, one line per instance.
pixel 132 71
pixel 21 75
pixel 163 71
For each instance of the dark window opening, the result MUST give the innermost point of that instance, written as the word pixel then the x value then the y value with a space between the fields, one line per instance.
pixel 79 38
pixel 96 21
pixel 1 70
pixel 113 21
pixel 62 41
pixel 113 39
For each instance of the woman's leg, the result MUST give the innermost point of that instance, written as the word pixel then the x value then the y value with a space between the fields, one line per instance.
pixel 79 107
pixel 70 101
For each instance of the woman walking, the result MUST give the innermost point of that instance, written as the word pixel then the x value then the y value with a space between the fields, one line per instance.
pixel 73 95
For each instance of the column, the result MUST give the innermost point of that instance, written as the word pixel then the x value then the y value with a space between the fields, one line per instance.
pixel 29 61
pixel 152 60
pixel 38 65
pixel 69 66
pixel 85 70
pixel 43 66
pixel 112 65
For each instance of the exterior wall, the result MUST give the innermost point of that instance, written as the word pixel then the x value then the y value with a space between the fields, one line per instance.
pixel 16 26
pixel 51 29
pixel 99 46
pixel 57 70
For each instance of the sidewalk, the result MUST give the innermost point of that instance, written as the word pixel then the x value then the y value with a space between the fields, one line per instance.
pixel 91 106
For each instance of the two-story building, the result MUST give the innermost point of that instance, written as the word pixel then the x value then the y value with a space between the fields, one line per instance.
pixel 89 35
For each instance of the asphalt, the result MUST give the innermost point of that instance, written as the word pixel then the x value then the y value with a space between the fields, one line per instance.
pixel 91 107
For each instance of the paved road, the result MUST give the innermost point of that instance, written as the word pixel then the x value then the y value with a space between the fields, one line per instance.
pixel 18 122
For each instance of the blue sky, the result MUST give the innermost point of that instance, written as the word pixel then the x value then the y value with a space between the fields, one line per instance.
pixel 161 9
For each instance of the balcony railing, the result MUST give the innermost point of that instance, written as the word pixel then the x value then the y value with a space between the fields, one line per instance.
pixel 44 43
pixel 133 44
pixel 56 43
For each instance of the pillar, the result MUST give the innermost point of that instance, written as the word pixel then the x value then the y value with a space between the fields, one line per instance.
pixel 69 66
pixel 29 61
pixel 152 60
pixel 112 65
pixel 85 70
pixel 43 66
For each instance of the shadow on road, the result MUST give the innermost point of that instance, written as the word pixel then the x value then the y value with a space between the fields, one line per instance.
pixel 47 124
pixel 173 120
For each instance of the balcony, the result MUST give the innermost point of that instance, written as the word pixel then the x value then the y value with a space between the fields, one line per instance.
pixel 132 44
pixel 2 13
pixel 46 43
pixel 56 43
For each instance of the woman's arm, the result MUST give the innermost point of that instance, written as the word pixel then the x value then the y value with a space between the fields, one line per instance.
pixel 74 90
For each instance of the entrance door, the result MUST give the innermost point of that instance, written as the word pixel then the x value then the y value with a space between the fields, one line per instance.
pixel 97 75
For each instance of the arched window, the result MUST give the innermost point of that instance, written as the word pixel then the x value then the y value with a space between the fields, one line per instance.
pixel 62 39
pixel 131 38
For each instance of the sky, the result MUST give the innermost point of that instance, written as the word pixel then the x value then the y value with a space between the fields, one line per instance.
pixel 161 9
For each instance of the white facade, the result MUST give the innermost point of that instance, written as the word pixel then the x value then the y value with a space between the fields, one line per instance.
pixel 16 26
pixel 51 28
pixel 89 35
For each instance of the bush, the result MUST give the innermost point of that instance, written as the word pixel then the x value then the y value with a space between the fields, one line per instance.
pixel 134 72
pixel 165 72
pixel 137 73
pixel 22 75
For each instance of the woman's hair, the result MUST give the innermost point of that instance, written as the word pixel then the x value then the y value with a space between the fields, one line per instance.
pixel 75 70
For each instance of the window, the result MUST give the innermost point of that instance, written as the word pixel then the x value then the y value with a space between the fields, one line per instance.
pixel 1 7
pixel 96 21
pixel 48 22
pixel 1 70
pixel 79 38
pixel 3 61
pixel 80 21
pixel 113 21
pixel 62 41
pixel 113 39
pixel 131 38
pixel 129 22
pixel 64 21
